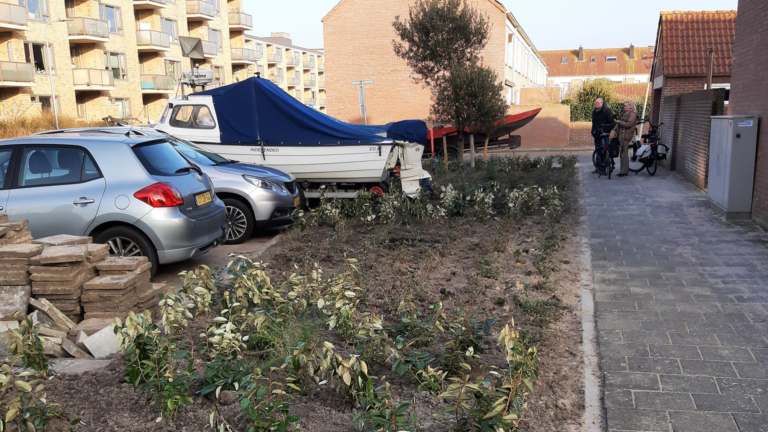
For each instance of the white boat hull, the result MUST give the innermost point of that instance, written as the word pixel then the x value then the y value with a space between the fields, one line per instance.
pixel 338 164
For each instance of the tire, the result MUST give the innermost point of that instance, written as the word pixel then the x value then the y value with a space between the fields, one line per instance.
pixel 651 168
pixel 594 159
pixel 127 241
pixel 240 221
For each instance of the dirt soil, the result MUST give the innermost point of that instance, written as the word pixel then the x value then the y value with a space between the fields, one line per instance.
pixel 476 268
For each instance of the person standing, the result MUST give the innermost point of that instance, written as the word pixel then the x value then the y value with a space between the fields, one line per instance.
pixel 625 132
pixel 602 118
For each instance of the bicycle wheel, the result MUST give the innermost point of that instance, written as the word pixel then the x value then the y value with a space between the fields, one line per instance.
pixel 609 167
pixel 634 164
pixel 651 167
pixel 594 159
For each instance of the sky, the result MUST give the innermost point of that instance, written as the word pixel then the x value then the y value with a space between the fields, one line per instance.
pixel 551 24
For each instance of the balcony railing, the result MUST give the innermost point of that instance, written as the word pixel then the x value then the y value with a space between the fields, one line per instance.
pixel 292 61
pixel 88 27
pixel 196 7
pixel 321 67
pixel 321 102
pixel 259 54
pixel 153 38
pixel 277 79
pixel 210 48
pixel 310 101
pixel 157 82
pixel 13 14
pixel 243 54
pixel 293 82
pixel 309 83
pixel 274 58
pixel 240 19
pixel 16 72
pixel 150 4
pixel 93 77
pixel 321 83
pixel 309 65
pixel 298 95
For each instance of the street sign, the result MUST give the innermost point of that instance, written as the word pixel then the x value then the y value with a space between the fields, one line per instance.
pixel 362 82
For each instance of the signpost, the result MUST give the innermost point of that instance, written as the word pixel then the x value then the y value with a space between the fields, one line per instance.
pixel 361 85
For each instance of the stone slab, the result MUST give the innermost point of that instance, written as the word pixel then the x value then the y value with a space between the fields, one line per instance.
pixel 13 302
pixel 51 332
pixel 143 269
pixel 16 240
pixel 116 282
pixel 79 338
pixel 8 325
pixel 62 240
pixel 103 343
pixel 20 251
pixel 73 350
pixel 62 254
pixel 98 257
pixel 14 280
pixel 77 366
pixel 16 224
pixel 40 318
pixel 104 315
pixel 14 262
pixel 90 326
pixel 122 263
pixel 54 350
pixel 56 315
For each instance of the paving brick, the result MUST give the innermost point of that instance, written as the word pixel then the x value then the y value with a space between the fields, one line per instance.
pixel 658 338
pixel 62 240
pixel 762 402
pixel 637 420
pixel 743 386
pixel 653 365
pixel 725 403
pixel 611 363
pixel 752 370
pixel 103 343
pixel 705 339
pixel 735 354
pixel 688 384
pixel 675 351
pixel 688 421
pixel 618 398
pixel 708 368
pixel 663 401
pixel 111 282
pixel 625 350
pixel 751 422
pixel 62 254
pixel 121 263
pixel 631 381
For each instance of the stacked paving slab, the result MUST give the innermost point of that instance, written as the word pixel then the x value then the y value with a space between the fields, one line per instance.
pixel 15 284
pixel 13 232
pixel 122 286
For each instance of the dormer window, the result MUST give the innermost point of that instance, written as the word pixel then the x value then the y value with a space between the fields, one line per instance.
pixel 611 59
pixel 592 60
pixel 564 60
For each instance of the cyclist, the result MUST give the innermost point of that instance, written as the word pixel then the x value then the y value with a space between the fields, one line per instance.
pixel 602 120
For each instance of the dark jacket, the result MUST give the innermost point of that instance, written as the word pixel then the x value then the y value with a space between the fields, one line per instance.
pixel 601 120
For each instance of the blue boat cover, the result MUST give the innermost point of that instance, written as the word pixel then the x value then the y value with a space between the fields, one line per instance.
pixel 256 110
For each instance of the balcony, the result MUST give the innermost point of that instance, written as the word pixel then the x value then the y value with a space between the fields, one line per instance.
pixel 93 79
pixel 310 102
pixel 259 55
pixel 152 41
pixel 321 67
pixel 291 62
pixel 200 10
pixel 277 79
pixel 240 21
pixel 274 58
pixel 298 95
pixel 15 74
pixel 243 56
pixel 321 83
pixel 13 17
pixel 87 30
pixel 321 102
pixel 157 84
pixel 150 4
pixel 294 82
pixel 210 49
pixel 309 83
pixel 309 65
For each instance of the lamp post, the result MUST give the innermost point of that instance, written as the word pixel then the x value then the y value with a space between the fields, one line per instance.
pixel 50 69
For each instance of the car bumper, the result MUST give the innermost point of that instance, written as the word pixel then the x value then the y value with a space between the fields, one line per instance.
pixel 273 209
pixel 178 238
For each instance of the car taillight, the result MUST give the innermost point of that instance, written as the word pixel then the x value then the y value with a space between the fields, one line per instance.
pixel 160 195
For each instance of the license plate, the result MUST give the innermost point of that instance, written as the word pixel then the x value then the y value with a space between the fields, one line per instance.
pixel 296 201
pixel 203 199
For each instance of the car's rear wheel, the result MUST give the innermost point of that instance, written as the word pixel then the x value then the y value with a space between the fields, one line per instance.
pixel 127 242
pixel 240 223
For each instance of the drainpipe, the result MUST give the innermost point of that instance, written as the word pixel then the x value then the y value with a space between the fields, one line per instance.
pixel 710 67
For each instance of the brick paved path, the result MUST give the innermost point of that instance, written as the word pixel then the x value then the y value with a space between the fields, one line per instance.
pixel 681 303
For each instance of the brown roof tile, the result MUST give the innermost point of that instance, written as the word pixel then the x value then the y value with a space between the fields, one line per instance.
pixel 687 36
pixel 623 65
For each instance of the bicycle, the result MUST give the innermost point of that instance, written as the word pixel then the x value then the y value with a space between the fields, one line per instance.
pixel 602 158
pixel 646 156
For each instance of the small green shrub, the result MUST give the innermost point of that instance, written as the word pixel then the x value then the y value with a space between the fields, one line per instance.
pixel 466 342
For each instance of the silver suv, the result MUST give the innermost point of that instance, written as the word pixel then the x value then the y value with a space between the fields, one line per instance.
pixel 136 194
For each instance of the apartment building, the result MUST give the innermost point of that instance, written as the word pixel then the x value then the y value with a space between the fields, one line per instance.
pixel 299 71
pixel 112 57
pixel 354 54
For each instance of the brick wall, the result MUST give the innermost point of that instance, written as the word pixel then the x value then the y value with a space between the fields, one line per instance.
pixel 634 91
pixel 581 134
pixel 668 121
pixel 748 95
pixel 540 95
pixel 550 129
pixel 687 126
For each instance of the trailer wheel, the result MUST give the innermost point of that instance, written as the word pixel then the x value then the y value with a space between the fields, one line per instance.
pixel 453 151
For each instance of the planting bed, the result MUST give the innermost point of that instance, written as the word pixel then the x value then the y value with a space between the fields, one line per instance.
pixel 493 263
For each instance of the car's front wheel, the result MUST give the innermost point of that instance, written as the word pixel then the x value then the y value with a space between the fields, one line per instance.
pixel 240 222
pixel 127 242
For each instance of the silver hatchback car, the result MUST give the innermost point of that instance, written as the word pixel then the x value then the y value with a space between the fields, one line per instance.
pixel 255 196
pixel 136 194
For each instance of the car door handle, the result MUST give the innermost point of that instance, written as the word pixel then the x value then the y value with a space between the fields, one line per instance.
pixel 83 201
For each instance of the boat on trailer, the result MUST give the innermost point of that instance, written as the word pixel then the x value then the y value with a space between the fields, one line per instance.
pixel 254 121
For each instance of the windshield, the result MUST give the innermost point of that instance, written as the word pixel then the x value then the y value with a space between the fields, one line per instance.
pixel 197 154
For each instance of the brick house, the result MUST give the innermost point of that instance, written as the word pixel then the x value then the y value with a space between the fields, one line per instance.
pixel 358 36
pixel 750 87
pixel 568 69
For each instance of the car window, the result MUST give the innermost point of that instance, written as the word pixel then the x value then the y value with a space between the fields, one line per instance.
pixel 5 163
pixel 197 154
pixel 160 159
pixel 192 117
pixel 45 166
pixel 90 171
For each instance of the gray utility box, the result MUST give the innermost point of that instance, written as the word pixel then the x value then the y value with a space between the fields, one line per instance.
pixel 732 150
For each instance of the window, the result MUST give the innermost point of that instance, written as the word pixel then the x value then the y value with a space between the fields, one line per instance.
pixel 123 107
pixel 82 111
pixel 215 37
pixel 45 101
pixel 611 59
pixel 592 60
pixel 45 166
pixel 5 163
pixel 116 63
pixel 36 54
pixel 36 9
pixel 260 70
pixel 111 14
pixel 170 27
pixel 165 113
pixel 71 11
pixel 192 117
pixel 161 159
pixel 564 60
pixel 173 69
pixel 9 47
pixel 218 74
pixel 74 54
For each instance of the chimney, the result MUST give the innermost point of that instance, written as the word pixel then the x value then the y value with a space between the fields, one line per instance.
pixel 631 51
pixel 581 53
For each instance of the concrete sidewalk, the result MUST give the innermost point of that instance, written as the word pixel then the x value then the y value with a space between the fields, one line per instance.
pixel 681 304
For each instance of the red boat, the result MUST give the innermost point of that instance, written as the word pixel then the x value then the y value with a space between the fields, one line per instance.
pixel 502 135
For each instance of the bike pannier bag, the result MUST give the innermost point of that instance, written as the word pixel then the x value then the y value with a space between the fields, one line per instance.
pixel 615 147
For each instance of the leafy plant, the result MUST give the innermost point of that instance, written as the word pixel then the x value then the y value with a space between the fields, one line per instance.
pixel 482 205
pixel 381 413
pixel 466 342
pixel 25 344
pixel 175 312
pixel 416 364
pixel 488 269
pixel 452 201
pixel 223 373
pixel 416 330
pixel 199 285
